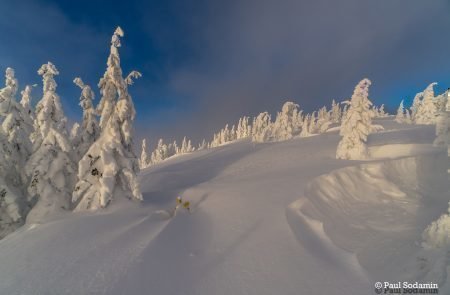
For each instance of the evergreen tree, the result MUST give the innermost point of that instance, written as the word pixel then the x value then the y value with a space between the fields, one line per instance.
pixel 335 112
pixel 109 167
pixel 261 129
pixel 143 162
pixel 48 113
pixel 443 125
pixel 51 166
pixel 285 125
pixel 400 117
pixel 305 127
pixel 90 130
pixel 26 101
pixel 427 111
pixel 14 204
pixel 356 124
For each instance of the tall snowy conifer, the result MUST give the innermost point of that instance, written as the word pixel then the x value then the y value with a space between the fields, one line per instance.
pixel 443 124
pixel 109 167
pixel 13 203
pixel 400 117
pixel 285 125
pixel 89 131
pixel 356 124
pixel 261 128
pixel 51 166
pixel 25 101
pixel 427 110
pixel 143 161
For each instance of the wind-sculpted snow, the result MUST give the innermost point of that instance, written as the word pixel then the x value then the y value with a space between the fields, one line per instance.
pixel 236 239
pixel 371 217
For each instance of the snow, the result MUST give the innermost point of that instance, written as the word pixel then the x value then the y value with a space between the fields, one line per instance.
pixel 269 218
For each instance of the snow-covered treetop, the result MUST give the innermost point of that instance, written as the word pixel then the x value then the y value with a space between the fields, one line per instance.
pixel 115 40
pixel 289 107
pixel 429 91
pixel 26 96
pixel 48 71
pixel 87 95
pixel 8 92
pixel 11 81
pixel 362 90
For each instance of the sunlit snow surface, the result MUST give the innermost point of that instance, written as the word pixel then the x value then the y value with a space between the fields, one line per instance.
pixel 275 218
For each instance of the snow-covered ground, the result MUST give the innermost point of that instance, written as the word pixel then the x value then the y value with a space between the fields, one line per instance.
pixel 270 218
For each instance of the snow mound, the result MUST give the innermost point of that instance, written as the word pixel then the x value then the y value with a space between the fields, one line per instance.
pixel 376 212
pixel 437 234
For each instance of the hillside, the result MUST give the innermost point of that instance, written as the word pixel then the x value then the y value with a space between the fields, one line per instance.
pixel 270 218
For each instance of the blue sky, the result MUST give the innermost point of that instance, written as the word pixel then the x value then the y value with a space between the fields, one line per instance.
pixel 206 63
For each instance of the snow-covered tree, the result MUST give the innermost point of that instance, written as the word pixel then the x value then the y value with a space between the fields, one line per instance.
pixel 417 101
pixel 74 135
pixel 160 153
pixel 336 112
pixel 323 120
pixel 186 146
pixel 109 167
pixel 356 125
pixel 143 161
pixel 16 125
pixel 312 123
pixel 427 111
pixel 243 128
pixel 111 82
pixel 400 117
pixel 285 125
pixel 305 127
pixel 261 128
pixel 51 166
pixel 26 100
pixel 52 172
pixel 381 112
pixel 48 113
pixel 14 204
pixel 443 125
pixel 90 130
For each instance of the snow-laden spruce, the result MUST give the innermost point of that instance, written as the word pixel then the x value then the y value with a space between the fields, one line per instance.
pixel 16 125
pixel 305 126
pixel 48 112
pixel 109 167
pixel 26 99
pixel 427 111
pixel 51 166
pixel 417 101
pixel 143 161
pixel 14 151
pixel 356 125
pixel 336 112
pixel 323 120
pixel 400 117
pixel 443 124
pixel 89 129
pixel 286 124
pixel 261 128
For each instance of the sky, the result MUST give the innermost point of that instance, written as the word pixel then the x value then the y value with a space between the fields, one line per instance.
pixel 206 63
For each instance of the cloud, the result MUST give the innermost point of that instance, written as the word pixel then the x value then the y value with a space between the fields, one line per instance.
pixel 251 56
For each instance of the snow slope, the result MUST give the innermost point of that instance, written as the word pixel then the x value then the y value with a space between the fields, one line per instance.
pixel 275 218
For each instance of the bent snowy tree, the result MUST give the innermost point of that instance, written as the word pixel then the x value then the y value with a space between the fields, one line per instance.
pixel 109 167
pixel 356 124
